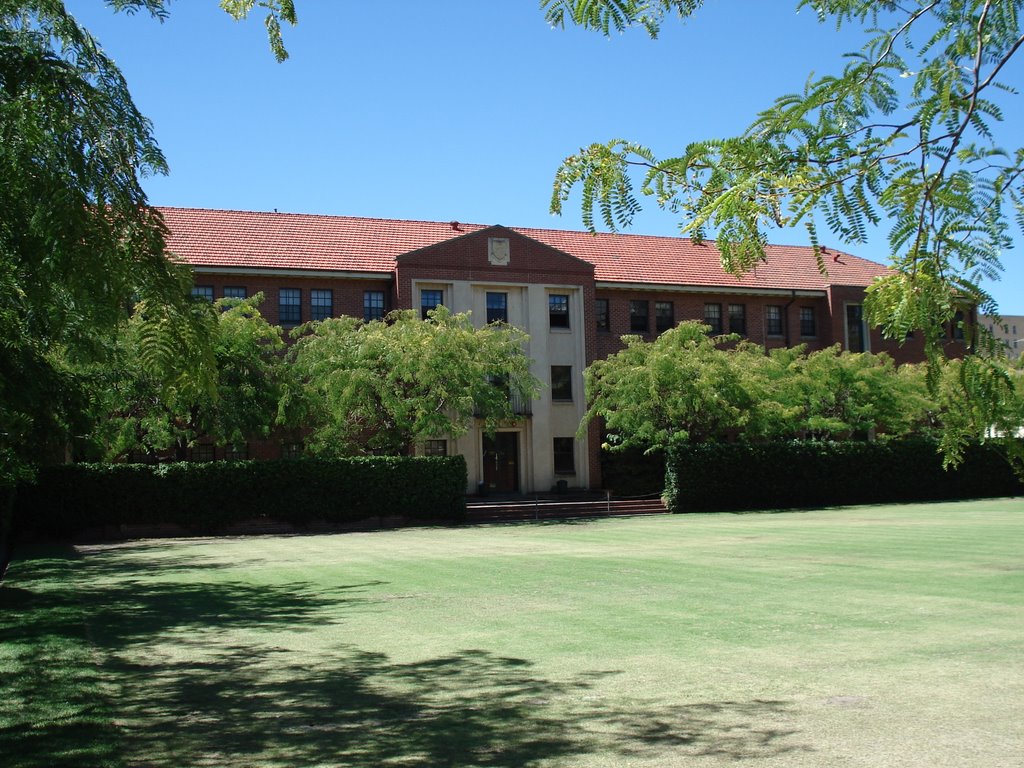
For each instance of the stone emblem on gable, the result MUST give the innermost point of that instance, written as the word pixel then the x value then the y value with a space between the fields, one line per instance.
pixel 498 251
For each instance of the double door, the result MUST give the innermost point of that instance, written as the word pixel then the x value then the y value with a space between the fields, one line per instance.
pixel 501 462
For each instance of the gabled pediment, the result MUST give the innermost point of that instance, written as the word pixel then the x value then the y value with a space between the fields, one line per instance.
pixel 498 249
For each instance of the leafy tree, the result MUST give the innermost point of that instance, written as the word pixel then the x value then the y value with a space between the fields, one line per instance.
pixel 380 387
pixel 962 414
pixel 78 241
pixel 678 388
pixel 686 386
pixel 840 394
pixel 905 133
pixel 153 408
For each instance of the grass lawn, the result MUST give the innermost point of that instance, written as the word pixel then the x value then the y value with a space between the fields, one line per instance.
pixel 868 636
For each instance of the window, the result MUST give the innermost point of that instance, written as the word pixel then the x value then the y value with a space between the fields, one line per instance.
pixel 235 292
pixel 738 319
pixel 601 314
pixel 289 306
pixel 202 452
pixel 561 383
pixel 958 326
pixel 558 310
pixel 713 317
pixel 321 303
pixel 856 338
pixel 808 323
pixel 497 307
pixel 638 317
pixel 664 316
pixel 435 448
pixel 565 461
pixel 236 452
pixel 203 292
pixel 373 305
pixel 773 320
pixel 430 299
pixel 291 450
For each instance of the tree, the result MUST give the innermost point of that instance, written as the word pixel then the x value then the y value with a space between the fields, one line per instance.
pixel 78 241
pixel 686 386
pixel 152 409
pixel 962 414
pixel 676 389
pixel 839 394
pixel 903 134
pixel 381 387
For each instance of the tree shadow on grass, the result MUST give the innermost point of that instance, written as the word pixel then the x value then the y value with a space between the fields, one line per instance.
pixel 53 711
pixel 241 706
pixel 57 700
pixel 94 682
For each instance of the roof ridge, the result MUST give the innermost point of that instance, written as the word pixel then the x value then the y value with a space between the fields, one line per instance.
pixel 711 242
pixel 334 216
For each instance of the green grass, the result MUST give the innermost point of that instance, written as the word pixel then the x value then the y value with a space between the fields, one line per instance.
pixel 870 636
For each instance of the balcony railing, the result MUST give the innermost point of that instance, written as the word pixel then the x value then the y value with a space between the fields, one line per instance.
pixel 520 406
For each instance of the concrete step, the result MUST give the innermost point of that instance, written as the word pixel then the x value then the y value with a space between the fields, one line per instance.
pixel 482 510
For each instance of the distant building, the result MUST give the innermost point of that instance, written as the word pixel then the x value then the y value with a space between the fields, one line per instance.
pixel 1009 330
pixel 574 293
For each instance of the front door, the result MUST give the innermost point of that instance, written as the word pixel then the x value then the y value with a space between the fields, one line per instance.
pixel 501 462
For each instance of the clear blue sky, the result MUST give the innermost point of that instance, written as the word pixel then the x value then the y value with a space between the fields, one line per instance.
pixel 452 109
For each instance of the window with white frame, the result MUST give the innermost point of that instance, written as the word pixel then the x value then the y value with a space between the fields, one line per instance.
pixel 497 307
pixel 713 317
pixel 435 448
pixel 564 454
pixel 639 316
pixel 289 306
pixel 321 303
pixel 808 323
pixel 373 306
pixel 558 310
pixel 430 299
pixel 738 319
pixel 664 316
pixel 561 383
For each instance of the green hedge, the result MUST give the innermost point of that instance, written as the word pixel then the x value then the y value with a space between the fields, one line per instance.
pixel 630 473
pixel 208 496
pixel 738 476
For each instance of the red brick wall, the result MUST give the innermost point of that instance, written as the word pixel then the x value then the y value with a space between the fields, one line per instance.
pixel 348 293
pixel 910 351
pixel 690 306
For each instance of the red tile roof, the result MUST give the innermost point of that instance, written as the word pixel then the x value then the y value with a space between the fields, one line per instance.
pixel 259 240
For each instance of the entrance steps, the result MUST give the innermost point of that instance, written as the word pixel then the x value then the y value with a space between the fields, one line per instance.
pixel 520 509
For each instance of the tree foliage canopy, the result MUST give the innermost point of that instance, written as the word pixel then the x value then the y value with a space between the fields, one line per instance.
pixel 686 386
pixel 380 387
pixel 78 242
pixel 904 134
pixel 145 403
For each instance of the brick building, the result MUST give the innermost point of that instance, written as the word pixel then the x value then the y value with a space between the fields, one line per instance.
pixel 574 293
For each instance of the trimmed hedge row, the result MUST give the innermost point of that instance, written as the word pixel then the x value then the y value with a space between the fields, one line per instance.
pixel 739 476
pixel 208 496
pixel 630 473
